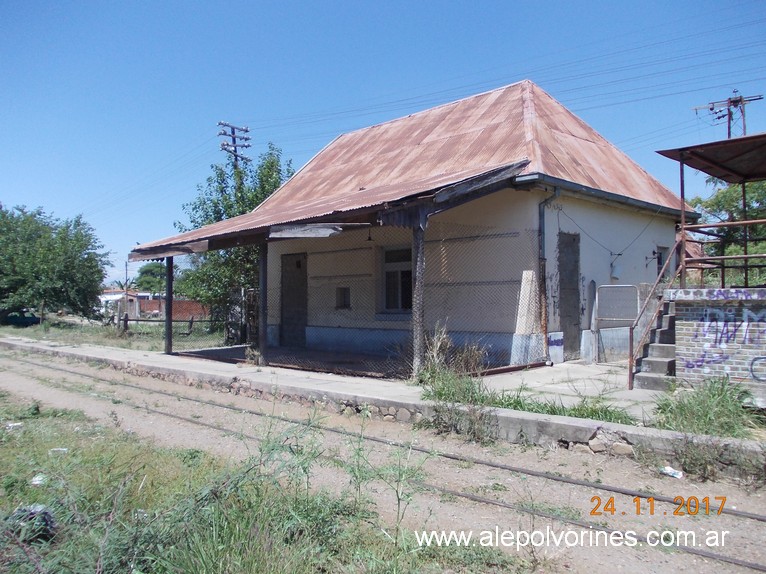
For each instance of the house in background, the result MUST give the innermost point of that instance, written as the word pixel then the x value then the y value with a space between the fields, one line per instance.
pixel 501 217
pixel 145 305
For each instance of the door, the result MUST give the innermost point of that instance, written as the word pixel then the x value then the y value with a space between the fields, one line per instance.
pixel 569 293
pixel 294 296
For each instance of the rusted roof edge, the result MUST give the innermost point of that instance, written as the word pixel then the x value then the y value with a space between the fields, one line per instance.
pixel 577 188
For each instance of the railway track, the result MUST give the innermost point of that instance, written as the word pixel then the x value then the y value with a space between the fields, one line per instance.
pixel 636 497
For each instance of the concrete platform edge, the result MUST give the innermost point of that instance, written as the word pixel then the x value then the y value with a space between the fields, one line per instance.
pixel 512 426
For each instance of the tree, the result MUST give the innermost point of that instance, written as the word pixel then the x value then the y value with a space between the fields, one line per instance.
pixel 151 277
pixel 230 191
pixel 127 285
pixel 49 263
pixel 724 205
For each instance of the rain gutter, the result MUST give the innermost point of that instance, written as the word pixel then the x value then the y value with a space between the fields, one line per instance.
pixel 563 184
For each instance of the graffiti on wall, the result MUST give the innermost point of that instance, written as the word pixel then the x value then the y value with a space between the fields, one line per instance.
pixel 744 315
pixel 717 294
pixel 758 369
pixel 723 331
pixel 720 333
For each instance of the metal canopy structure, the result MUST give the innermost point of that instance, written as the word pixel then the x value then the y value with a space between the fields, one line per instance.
pixel 735 161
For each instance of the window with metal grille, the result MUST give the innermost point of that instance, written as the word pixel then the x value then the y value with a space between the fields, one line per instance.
pixel 397 286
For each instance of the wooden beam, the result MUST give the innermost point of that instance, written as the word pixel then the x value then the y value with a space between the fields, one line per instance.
pixel 162 252
pixel 311 230
pixel 502 175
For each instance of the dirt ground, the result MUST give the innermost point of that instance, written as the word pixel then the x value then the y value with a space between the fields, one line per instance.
pixel 133 410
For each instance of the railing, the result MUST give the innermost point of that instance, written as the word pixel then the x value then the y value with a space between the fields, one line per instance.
pixel 633 348
pixel 721 261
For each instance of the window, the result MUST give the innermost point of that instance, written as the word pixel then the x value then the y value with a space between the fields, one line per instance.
pixel 662 256
pixel 343 297
pixel 397 286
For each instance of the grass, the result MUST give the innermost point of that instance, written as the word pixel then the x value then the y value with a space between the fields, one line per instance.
pixel 123 505
pixel 140 336
pixel 722 410
pixel 716 407
pixel 464 404
pixel 446 386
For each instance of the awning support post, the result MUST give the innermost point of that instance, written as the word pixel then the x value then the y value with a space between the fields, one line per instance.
pixel 263 253
pixel 418 291
pixel 168 305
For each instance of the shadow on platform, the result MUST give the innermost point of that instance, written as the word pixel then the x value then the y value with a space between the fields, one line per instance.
pixel 355 364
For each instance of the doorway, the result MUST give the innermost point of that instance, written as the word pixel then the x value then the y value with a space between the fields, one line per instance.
pixel 569 293
pixel 294 300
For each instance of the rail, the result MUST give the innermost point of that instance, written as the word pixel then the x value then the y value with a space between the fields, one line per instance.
pixel 632 355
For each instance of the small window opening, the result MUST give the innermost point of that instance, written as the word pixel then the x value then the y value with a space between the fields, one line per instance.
pixel 343 297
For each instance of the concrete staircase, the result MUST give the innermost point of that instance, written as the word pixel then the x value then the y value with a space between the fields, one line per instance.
pixel 656 367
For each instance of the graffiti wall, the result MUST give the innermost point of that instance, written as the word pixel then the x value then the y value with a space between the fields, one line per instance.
pixel 721 332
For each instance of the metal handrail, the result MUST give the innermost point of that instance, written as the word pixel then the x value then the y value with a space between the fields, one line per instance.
pixel 632 350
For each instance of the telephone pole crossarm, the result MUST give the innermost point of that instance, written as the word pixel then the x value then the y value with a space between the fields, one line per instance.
pixel 238 141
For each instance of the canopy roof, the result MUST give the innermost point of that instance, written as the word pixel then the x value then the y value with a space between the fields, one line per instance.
pixel 735 160
pixel 471 140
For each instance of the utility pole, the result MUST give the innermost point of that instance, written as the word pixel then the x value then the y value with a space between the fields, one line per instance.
pixel 238 141
pixel 733 109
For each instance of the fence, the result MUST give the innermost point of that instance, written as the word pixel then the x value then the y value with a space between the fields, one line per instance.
pixel 187 334
pixel 347 300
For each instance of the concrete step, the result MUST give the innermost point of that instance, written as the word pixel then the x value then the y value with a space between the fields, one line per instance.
pixel 658 365
pixel 667 322
pixel 664 336
pixel 662 350
pixel 669 308
pixel 652 381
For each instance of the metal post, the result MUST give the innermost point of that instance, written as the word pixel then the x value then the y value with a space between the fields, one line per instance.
pixel 745 229
pixel 418 299
pixel 263 253
pixel 168 305
pixel 683 224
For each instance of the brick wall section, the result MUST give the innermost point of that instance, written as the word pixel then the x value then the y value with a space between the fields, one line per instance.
pixel 721 332
pixel 183 310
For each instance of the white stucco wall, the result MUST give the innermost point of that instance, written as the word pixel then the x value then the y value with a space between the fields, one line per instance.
pixel 481 266
pixel 616 248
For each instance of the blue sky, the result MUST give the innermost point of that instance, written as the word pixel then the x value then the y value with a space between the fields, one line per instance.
pixel 108 109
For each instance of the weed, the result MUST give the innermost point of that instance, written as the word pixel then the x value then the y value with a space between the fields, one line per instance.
pixel 357 465
pixel 716 407
pixel 400 475
pixel 124 506
pixel 544 508
pixel 464 404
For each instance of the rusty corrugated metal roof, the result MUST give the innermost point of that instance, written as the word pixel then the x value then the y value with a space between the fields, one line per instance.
pixel 734 160
pixel 440 146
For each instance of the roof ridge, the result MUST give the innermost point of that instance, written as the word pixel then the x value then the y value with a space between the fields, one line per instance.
pixel 444 105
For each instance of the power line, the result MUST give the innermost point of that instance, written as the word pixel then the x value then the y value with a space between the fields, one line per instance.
pixel 733 109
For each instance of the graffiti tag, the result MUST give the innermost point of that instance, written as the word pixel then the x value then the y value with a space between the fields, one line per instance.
pixel 735 314
pixel 729 332
pixel 705 359
pixel 758 369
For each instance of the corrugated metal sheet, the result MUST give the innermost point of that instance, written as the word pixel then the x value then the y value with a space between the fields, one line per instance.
pixel 734 160
pixel 440 146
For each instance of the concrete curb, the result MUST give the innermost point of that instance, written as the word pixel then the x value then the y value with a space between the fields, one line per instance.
pixel 512 426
